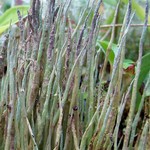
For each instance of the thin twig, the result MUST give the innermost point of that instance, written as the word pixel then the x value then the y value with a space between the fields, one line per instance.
pixel 120 25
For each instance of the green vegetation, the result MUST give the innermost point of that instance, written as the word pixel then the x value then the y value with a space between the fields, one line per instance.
pixel 66 82
pixel 10 16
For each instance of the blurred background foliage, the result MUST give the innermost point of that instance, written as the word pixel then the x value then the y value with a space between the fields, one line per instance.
pixel 6 4
pixel 108 13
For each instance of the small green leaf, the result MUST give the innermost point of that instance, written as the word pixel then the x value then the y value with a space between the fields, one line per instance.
pixel 127 63
pixel 113 52
pixel 11 16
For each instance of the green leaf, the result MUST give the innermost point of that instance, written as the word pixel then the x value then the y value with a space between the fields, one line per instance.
pixel 145 65
pixel 113 52
pixel 145 68
pixel 11 16
pixel 3 28
pixel 127 63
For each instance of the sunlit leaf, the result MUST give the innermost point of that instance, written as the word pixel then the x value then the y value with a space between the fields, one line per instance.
pixel 114 49
pixel 3 28
pixel 10 16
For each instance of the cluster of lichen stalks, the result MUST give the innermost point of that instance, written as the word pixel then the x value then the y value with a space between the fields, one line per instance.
pixel 47 102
